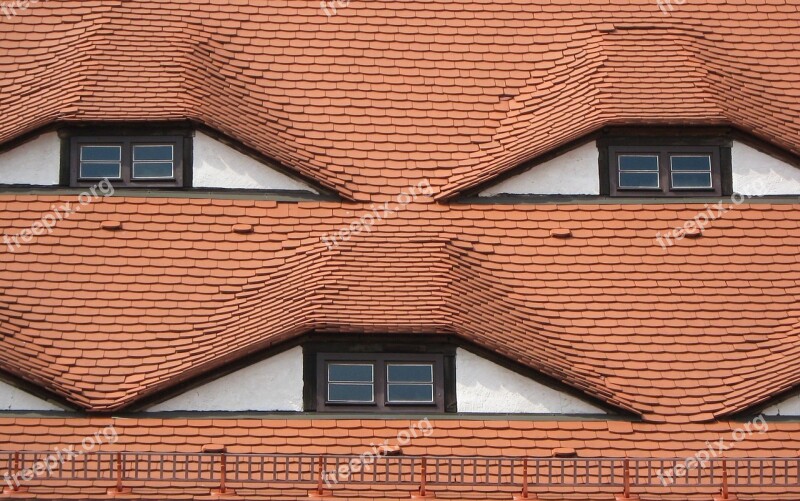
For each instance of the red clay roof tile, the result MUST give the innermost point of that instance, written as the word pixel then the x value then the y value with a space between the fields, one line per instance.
pixel 543 438
pixel 662 335
pixel 372 102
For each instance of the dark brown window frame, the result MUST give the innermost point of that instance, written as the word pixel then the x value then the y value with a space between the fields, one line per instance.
pixel 664 152
pixel 362 346
pixel 127 143
pixel 380 362
pixel 717 141
pixel 181 135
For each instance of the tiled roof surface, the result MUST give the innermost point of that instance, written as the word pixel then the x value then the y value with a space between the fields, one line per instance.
pixel 692 332
pixel 444 438
pixel 380 93
pixel 369 101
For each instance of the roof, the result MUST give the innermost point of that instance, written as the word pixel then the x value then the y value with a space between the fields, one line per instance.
pixel 691 332
pixel 379 95
pixel 447 437
pixel 368 102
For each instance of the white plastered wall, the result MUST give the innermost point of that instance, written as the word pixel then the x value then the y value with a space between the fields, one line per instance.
pixel 36 162
pixel 576 173
pixel 756 173
pixel 14 399
pixel 485 387
pixel 573 173
pixel 217 165
pixel 787 407
pixel 274 384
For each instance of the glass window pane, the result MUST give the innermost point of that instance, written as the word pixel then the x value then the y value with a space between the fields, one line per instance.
pixel 350 373
pixel 153 152
pixel 691 163
pixel 152 169
pixel 343 392
pixel 691 180
pixel 638 163
pixel 401 393
pixel 101 153
pixel 407 373
pixel 638 179
pixel 100 170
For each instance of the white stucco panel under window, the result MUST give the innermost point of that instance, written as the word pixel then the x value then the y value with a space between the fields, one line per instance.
pixel 274 384
pixel 36 162
pixel 756 173
pixel 485 387
pixel 14 399
pixel 787 407
pixel 573 173
pixel 217 165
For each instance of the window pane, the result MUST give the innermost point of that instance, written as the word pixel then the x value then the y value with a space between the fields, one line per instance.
pixel 691 180
pixel 100 170
pixel 691 163
pixel 153 152
pixel 406 373
pixel 401 393
pixel 152 169
pixel 101 153
pixel 343 392
pixel 100 161
pixel 638 179
pixel 638 163
pixel 352 373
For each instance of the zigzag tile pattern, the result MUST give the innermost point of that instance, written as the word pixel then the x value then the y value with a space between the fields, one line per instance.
pixel 369 98
pixel 691 332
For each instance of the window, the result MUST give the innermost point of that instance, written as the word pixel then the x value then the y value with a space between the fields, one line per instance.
pixel 638 172
pixel 380 382
pixel 665 170
pixel 409 383
pixel 691 172
pixel 98 162
pixel 127 161
pixel 351 383
pixel 153 161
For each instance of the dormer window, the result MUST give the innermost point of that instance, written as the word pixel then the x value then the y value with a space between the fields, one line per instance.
pixel 647 162
pixel 644 170
pixel 679 162
pixel 383 382
pixel 379 374
pixel 127 161
pixel 383 374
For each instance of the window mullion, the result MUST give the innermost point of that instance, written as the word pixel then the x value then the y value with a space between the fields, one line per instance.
pixel 380 382
pixel 127 153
